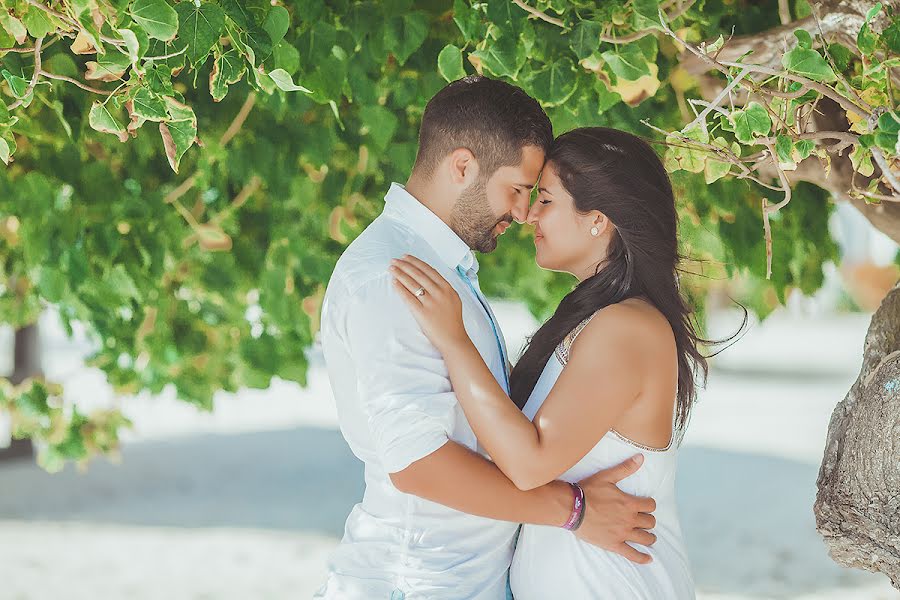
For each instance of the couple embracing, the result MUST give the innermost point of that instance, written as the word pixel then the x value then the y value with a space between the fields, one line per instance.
pixel 550 479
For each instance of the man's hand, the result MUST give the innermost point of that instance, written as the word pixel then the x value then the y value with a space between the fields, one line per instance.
pixel 613 517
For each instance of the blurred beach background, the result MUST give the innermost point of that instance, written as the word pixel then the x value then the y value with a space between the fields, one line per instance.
pixel 249 500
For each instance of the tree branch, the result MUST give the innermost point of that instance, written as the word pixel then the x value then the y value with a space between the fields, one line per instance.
pixel 540 15
pixel 86 88
pixel 34 77
pixel 885 168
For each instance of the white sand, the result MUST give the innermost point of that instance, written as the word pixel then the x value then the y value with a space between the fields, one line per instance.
pixel 248 501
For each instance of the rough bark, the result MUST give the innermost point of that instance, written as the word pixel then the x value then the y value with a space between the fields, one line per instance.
pixel 857 507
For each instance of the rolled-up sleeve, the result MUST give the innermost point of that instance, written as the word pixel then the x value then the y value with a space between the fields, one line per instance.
pixel 403 383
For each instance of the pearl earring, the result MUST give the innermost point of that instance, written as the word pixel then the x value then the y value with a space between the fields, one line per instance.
pixel 594 231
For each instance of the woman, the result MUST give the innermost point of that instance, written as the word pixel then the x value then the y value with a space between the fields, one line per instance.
pixel 611 373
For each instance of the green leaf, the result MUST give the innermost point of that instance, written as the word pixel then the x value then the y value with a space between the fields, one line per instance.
pixel 841 55
pixel 17 85
pixel 277 22
pixel 403 35
pixel 199 28
pixel 37 22
pixel 502 58
pixel 627 62
pixel 450 64
pixel 556 82
pixel 260 42
pixel 159 78
pixel 866 39
pixel 506 15
pixel 808 63
pixel 468 20
pixel 646 14
pixel 284 82
pixel 132 45
pixel 752 120
pixel 101 119
pixel 889 122
pixel 804 148
pixel 715 170
pixel 228 68
pixel 109 67
pixel 4 151
pixel 177 137
pixel 873 12
pixel 886 141
pixel 585 38
pixel 804 40
pixel 157 18
pixel 380 123
pixel 149 105
pixel 891 36
pixel 783 148
pixel 14 26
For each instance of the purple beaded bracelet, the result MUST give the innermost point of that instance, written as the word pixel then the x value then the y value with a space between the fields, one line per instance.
pixel 577 515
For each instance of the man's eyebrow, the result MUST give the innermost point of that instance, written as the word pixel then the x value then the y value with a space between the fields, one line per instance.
pixel 525 185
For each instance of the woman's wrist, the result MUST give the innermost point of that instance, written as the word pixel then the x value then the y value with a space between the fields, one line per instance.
pixel 576 517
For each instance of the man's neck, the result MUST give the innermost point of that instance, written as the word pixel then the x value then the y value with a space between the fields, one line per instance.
pixel 430 197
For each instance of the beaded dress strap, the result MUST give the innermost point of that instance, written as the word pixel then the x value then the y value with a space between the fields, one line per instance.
pixel 562 349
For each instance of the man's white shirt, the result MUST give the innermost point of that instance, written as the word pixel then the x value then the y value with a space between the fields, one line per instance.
pixel 395 406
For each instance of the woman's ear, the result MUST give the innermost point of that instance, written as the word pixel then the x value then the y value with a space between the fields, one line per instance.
pixel 600 224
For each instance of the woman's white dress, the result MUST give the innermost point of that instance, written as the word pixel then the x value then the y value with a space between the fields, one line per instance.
pixel 551 562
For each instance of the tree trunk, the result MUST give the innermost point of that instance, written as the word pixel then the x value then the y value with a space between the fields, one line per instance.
pixel 858 503
pixel 26 363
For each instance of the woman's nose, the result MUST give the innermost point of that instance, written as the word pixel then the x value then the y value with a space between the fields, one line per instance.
pixel 532 217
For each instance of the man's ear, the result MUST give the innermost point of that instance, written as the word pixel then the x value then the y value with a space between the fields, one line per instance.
pixel 463 167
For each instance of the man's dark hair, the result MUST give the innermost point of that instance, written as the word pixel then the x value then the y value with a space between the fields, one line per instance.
pixel 492 118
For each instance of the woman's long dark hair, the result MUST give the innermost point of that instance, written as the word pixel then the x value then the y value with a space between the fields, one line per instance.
pixel 621 176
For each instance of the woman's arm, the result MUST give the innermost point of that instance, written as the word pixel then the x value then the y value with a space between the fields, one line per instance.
pixel 600 382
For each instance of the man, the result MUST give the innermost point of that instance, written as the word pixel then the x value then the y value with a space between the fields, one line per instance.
pixel 438 520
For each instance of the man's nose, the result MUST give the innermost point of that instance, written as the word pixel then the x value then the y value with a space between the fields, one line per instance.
pixel 532 217
pixel 520 210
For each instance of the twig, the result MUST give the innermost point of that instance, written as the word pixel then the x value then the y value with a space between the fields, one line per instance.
pixel 844 136
pixel 540 15
pixel 34 77
pixel 875 196
pixel 719 98
pixel 23 49
pixel 785 184
pixel 885 168
pixel 239 119
pixel 723 153
pixel 855 96
pixel 165 56
pixel 767 233
pixel 240 199
pixel 822 89
pixel 86 88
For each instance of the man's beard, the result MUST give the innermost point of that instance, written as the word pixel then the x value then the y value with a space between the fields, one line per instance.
pixel 472 219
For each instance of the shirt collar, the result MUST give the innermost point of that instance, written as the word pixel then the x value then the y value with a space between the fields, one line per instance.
pixel 452 250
